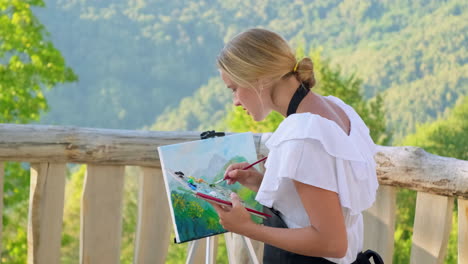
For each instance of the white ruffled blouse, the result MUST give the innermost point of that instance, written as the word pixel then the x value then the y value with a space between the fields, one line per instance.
pixel 316 151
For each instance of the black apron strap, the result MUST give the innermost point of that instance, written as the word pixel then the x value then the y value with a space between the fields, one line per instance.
pixel 300 93
pixel 364 257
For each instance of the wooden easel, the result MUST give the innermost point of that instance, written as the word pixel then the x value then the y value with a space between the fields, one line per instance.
pixel 209 255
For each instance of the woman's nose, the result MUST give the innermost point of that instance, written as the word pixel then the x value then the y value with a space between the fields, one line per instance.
pixel 236 101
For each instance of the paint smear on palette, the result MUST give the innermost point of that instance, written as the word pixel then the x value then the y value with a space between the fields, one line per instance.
pixel 200 185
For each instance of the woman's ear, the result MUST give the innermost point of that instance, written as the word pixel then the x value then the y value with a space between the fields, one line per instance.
pixel 262 83
pixel 267 84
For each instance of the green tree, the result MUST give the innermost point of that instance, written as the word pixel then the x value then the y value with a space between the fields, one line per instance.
pixel 15 214
pixel 204 110
pixel 134 52
pixel 29 64
pixel 71 215
pixel 445 137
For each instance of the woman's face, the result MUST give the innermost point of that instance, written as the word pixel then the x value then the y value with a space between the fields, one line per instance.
pixel 246 97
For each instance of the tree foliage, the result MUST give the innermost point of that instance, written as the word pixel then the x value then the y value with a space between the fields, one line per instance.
pixel 29 64
pixel 138 59
pixel 203 111
pixel 445 136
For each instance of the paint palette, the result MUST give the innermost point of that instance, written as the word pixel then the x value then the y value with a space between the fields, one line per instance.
pixel 210 192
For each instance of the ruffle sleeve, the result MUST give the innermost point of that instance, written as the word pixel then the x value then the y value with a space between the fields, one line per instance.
pixel 316 151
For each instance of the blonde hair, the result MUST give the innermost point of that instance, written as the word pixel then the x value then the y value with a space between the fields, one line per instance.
pixel 259 53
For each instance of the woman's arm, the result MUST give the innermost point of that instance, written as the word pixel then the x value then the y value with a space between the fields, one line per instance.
pixel 326 237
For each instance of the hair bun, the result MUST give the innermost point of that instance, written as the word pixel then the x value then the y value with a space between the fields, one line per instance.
pixel 305 72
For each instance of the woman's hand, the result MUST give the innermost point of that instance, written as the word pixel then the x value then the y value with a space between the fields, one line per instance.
pixel 250 178
pixel 235 219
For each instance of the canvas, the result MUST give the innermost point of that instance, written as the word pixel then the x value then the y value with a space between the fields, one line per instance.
pixel 194 167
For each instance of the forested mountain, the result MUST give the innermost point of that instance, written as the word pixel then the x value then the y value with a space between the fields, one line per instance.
pixel 205 110
pixel 445 136
pixel 137 58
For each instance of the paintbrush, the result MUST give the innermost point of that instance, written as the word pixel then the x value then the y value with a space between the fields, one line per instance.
pixel 245 168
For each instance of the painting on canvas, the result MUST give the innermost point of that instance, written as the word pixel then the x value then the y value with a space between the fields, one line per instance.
pixel 194 167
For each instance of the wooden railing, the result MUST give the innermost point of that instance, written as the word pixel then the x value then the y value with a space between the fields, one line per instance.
pixel 438 181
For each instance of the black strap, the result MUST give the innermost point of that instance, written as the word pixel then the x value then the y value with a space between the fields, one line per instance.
pixel 300 93
pixel 364 257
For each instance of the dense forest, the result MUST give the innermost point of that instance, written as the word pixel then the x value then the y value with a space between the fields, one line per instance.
pixel 136 60
pixel 151 65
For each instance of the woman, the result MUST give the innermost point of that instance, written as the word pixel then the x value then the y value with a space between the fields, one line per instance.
pixel 320 172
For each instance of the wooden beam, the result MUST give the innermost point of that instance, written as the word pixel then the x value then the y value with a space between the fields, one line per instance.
pixel 46 200
pixel 38 143
pixel 415 169
pixel 406 167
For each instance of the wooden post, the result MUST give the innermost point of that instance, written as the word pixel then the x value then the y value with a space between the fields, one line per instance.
pixel 252 253
pixel 46 201
pixel 2 175
pixel 432 225
pixel 211 249
pixel 242 248
pixel 101 214
pixel 196 251
pixel 462 231
pixel 154 219
pixel 379 223
pixel 230 248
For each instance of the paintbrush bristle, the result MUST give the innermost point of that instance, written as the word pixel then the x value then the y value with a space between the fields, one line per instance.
pixel 218 181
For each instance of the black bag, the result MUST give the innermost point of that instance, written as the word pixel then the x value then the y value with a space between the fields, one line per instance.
pixel 364 257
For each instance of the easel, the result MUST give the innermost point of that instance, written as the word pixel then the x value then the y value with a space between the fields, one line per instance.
pixel 210 241
pixel 210 257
